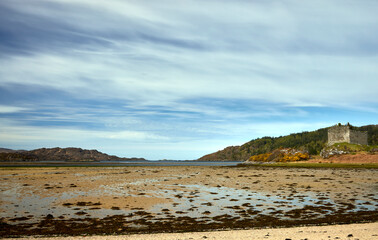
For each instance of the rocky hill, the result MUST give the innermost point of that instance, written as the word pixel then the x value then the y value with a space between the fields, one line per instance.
pixel 312 142
pixel 7 150
pixel 59 154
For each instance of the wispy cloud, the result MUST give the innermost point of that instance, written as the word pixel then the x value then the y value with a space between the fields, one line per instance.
pixel 10 109
pixel 188 71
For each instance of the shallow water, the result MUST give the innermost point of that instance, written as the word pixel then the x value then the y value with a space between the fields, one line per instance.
pixel 189 200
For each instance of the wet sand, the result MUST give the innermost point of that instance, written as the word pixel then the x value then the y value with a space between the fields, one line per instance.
pixel 126 200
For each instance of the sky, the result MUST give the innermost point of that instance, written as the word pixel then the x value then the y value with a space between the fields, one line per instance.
pixel 177 80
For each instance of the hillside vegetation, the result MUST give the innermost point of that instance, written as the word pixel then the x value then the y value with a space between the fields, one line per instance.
pixel 313 142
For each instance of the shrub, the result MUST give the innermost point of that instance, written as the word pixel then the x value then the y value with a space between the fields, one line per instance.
pixel 281 155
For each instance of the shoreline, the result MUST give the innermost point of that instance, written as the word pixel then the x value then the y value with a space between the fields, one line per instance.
pixel 312 163
pixel 48 164
pixel 361 231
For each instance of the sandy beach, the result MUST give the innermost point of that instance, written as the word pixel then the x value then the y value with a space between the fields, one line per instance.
pixel 126 200
pixel 367 231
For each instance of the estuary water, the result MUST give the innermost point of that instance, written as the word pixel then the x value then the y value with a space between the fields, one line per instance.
pixel 174 163
pixel 117 163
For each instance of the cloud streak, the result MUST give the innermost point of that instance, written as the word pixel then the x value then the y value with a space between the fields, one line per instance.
pixel 188 71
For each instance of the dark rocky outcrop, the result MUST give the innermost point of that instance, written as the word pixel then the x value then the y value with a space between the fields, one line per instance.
pixel 59 154
pixel 7 150
pixel 17 157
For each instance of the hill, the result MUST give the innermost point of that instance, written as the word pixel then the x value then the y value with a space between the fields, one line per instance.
pixel 7 150
pixel 59 154
pixel 313 142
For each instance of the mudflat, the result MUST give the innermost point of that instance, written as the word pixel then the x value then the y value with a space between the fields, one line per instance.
pixel 127 200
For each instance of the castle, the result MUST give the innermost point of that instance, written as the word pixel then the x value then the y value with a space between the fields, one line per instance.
pixel 343 133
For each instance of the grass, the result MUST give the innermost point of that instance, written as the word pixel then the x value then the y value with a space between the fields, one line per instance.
pixel 313 165
pixel 353 147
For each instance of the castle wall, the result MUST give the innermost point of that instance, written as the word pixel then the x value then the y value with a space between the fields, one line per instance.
pixel 338 134
pixel 358 137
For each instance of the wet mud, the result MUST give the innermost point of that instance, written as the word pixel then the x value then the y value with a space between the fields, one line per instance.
pixel 125 200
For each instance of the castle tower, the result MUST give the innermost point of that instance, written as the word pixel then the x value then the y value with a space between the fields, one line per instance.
pixel 343 133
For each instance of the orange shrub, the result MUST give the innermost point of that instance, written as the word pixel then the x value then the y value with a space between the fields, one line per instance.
pixel 280 155
pixel 292 158
pixel 260 157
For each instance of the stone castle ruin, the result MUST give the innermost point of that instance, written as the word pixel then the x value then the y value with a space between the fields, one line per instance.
pixel 343 133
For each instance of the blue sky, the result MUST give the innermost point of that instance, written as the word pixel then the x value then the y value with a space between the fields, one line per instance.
pixel 180 79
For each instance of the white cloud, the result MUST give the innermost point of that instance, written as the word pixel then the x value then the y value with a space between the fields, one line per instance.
pixel 131 136
pixel 294 80
pixel 11 109
pixel 158 56
pixel 246 56
pixel 10 133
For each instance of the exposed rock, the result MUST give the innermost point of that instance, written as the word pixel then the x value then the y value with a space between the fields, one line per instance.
pixel 17 157
pixel 61 154
pixel 7 150
pixel 328 152
pixel 374 150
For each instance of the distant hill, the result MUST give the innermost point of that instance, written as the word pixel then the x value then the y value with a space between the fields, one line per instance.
pixel 313 142
pixel 7 150
pixel 59 154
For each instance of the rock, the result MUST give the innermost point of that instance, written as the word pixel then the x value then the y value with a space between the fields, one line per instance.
pixel 328 152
